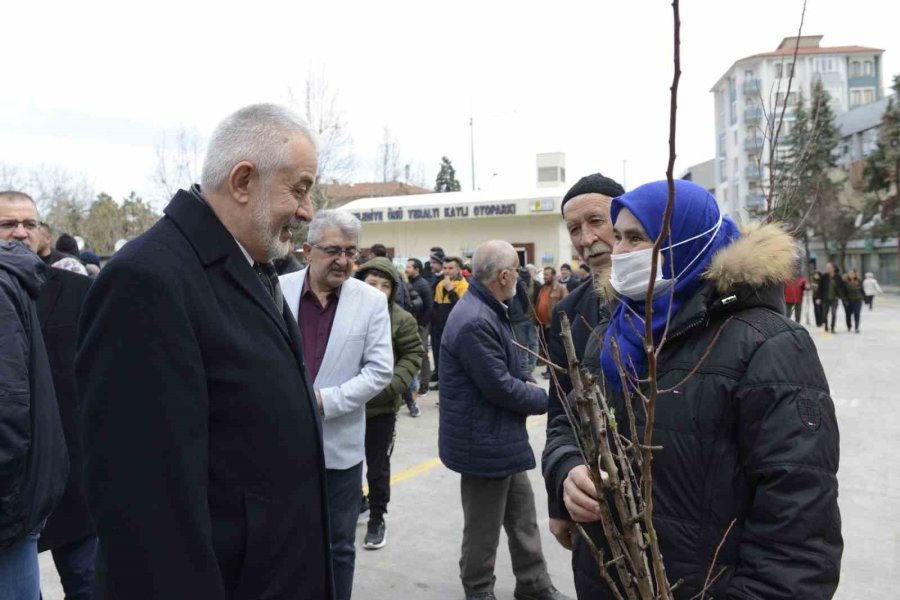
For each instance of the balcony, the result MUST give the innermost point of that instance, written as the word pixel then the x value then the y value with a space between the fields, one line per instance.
pixel 753 173
pixel 756 202
pixel 753 144
pixel 752 116
pixel 750 86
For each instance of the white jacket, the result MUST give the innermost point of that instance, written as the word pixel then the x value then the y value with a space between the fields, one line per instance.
pixel 871 287
pixel 358 364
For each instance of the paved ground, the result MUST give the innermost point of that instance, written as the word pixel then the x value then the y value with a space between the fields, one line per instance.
pixel 425 519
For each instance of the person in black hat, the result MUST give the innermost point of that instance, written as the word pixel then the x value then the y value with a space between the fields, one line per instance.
pixel 585 208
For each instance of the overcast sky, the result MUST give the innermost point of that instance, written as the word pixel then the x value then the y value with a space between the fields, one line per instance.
pixel 92 86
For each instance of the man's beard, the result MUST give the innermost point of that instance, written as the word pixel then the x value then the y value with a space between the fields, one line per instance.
pixel 602 287
pixel 261 218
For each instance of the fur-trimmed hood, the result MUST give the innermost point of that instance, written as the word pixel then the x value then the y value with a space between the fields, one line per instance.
pixel 763 256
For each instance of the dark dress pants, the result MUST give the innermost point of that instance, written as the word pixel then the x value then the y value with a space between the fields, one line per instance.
pixel 344 497
pixel 75 565
pixel 380 433
pixel 425 371
pixel 436 350
pixel 488 505
pixel 852 311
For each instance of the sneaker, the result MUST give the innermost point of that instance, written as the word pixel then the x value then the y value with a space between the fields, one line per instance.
pixel 376 536
pixel 551 593
pixel 423 392
pixel 481 596
pixel 436 385
pixel 414 410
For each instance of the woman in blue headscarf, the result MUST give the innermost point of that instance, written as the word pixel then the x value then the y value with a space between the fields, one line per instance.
pixel 744 418
pixel 697 231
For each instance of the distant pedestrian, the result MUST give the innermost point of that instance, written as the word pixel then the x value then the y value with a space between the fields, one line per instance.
pixel 447 292
pixel 818 308
pixel 68 245
pixel 548 295
pixel 793 295
pixel 435 270
pixel 381 411
pixel 486 396
pixel 831 291
pixel 567 278
pixel 519 312
pixel 870 289
pixel 584 271
pixel 853 290
pixel 415 273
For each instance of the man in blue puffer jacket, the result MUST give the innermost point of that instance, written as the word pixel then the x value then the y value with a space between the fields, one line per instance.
pixel 486 395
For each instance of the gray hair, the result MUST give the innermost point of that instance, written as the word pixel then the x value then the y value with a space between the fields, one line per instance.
pixel 344 220
pixel 255 133
pixel 490 258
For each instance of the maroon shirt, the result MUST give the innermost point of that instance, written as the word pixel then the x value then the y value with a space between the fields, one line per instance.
pixel 315 325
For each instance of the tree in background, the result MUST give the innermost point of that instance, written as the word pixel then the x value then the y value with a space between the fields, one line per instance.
pixel 446 177
pixel 177 162
pixel 882 171
pixel 387 163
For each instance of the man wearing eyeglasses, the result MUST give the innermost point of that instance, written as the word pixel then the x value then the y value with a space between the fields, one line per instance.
pixel 33 461
pixel 69 532
pixel 346 332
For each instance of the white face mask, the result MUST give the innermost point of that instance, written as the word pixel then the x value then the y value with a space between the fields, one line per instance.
pixel 630 275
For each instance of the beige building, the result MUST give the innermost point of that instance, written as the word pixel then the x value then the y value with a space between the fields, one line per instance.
pixel 459 221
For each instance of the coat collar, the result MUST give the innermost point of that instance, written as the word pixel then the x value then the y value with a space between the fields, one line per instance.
pixel 215 245
pixel 485 295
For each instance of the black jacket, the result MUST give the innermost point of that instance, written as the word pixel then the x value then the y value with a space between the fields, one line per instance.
pixel 33 461
pixel 752 436
pixel 484 395
pixel 585 312
pixel 203 448
pixel 426 293
pixel 59 307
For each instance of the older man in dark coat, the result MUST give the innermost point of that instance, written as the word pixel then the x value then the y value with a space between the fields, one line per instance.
pixel 203 445
pixel 486 395
pixel 585 208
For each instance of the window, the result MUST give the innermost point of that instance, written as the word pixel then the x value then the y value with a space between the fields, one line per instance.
pixel 855 69
pixel 790 69
pixel 868 96
pixel 868 69
pixel 855 98
pixel 777 70
pixel 735 137
pixel 736 168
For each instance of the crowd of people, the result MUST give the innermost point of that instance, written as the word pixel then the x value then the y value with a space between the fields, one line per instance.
pixel 828 290
pixel 225 458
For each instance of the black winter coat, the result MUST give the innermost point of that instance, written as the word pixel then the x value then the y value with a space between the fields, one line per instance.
pixel 585 312
pixel 426 293
pixel 33 461
pixel 59 307
pixel 752 436
pixel 484 395
pixel 203 448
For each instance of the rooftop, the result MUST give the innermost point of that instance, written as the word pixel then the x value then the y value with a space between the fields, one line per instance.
pixel 341 193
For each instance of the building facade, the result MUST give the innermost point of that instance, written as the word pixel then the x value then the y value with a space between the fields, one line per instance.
pixel 459 222
pixel 751 95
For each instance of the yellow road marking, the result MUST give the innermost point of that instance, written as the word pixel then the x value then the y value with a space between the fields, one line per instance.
pixel 426 466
